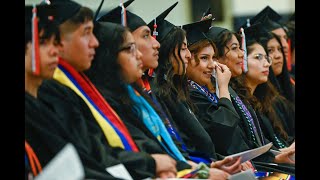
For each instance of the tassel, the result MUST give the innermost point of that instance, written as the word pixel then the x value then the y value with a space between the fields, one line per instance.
pixel 155 33
pixel 123 15
pixel 244 47
pixel 35 43
pixel 289 56
pixel 248 23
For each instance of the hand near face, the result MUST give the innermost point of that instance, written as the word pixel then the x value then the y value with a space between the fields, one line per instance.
pixel 223 75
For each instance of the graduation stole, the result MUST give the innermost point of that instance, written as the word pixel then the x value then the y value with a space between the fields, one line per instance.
pixel 252 126
pixel 31 159
pixel 144 83
pixel 154 123
pixel 112 126
pixel 211 96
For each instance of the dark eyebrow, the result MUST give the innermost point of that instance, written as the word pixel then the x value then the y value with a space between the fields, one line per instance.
pixel 146 30
pixel 129 44
pixel 87 28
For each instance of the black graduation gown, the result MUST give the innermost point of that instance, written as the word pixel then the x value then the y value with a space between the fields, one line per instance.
pixel 47 136
pixel 191 131
pixel 221 122
pixel 246 136
pixel 143 138
pixel 287 116
pixel 80 123
pixel 271 134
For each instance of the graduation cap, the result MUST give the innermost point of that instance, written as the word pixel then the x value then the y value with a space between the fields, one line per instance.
pixel 207 14
pixel 37 17
pixel 293 17
pixel 161 27
pixel 255 31
pixel 215 32
pixel 105 32
pixel 133 21
pixel 66 9
pixel 197 31
pixel 269 19
pixel 45 13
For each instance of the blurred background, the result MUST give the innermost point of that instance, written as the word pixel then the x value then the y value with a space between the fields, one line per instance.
pixel 230 14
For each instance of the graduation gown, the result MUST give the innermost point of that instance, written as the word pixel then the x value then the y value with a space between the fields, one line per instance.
pixel 80 123
pixel 246 134
pixel 141 135
pixel 195 137
pixel 221 121
pixel 287 117
pixel 47 135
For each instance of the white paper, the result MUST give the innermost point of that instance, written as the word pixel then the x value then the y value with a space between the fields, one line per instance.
pixel 65 165
pixel 119 171
pixel 244 175
pixel 252 153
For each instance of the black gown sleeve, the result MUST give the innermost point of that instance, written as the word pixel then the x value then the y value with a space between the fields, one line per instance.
pixel 220 121
pixel 80 123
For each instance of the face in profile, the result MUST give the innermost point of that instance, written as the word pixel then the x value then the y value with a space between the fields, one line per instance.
pixel 233 57
pixel 258 65
pixel 284 40
pixel 129 58
pixel 48 58
pixel 274 50
pixel 78 47
pixel 180 65
pixel 148 46
pixel 201 72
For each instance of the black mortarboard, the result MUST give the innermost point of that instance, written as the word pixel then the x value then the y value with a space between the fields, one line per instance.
pixel 196 31
pixel 105 32
pixel 267 11
pixel 163 26
pixel 215 32
pixel 255 31
pixel 207 12
pixel 66 9
pixel 133 20
pixel 269 19
pixel 45 13
pixel 293 17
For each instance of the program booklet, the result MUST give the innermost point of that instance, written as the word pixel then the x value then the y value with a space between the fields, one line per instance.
pixel 252 153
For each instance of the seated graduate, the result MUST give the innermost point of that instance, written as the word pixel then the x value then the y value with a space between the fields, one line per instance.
pixel 118 64
pixel 82 110
pixel 261 93
pixel 216 115
pixel 286 108
pixel 45 136
pixel 40 61
pixel 270 22
pixel 232 55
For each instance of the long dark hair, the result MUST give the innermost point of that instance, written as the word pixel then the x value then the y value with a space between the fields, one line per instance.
pixel 166 80
pixel 105 72
pixel 221 41
pixel 264 97
pixel 282 81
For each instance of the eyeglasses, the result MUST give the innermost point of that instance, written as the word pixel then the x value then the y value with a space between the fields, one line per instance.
pixel 132 49
pixel 260 57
